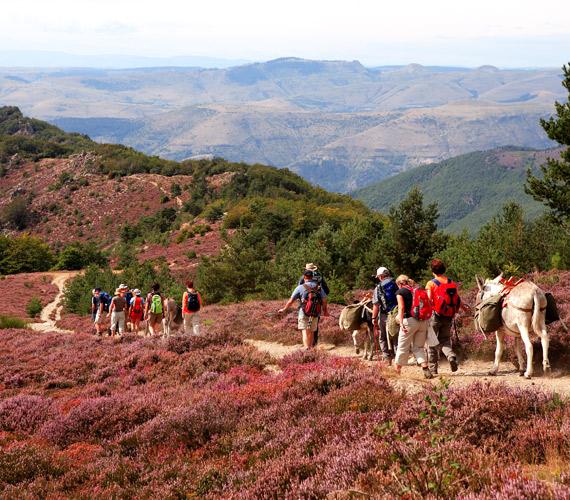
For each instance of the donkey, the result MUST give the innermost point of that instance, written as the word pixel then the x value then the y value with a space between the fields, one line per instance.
pixel 365 325
pixel 523 310
pixel 172 315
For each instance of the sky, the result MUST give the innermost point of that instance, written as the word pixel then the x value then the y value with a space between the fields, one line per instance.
pixel 505 33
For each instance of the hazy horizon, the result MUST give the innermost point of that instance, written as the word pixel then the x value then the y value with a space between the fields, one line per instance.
pixel 505 34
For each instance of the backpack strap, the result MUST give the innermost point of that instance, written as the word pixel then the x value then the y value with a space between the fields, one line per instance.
pixel 436 281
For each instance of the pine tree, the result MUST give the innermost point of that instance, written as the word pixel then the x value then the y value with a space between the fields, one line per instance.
pixel 553 189
pixel 412 237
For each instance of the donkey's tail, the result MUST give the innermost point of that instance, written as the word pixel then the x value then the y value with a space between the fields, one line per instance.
pixel 539 313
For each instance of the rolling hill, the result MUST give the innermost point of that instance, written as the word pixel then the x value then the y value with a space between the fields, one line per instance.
pixel 469 189
pixel 336 123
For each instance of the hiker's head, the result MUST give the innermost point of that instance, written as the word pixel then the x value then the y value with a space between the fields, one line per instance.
pixel 96 291
pixel 402 280
pixel 382 272
pixel 437 267
pixel 311 267
pixel 155 287
pixel 189 284
pixel 308 275
pixel 137 292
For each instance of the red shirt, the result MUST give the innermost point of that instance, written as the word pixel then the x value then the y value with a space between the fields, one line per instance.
pixel 185 302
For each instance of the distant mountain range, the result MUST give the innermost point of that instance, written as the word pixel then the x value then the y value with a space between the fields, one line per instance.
pixel 337 123
pixel 469 189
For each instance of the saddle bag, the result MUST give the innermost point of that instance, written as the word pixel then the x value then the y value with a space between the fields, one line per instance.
pixel 351 317
pixel 392 323
pixel 552 313
pixel 488 314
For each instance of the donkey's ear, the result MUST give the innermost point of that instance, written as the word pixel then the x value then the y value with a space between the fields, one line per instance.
pixel 480 283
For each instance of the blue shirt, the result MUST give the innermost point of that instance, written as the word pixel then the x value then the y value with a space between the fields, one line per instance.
pixel 301 292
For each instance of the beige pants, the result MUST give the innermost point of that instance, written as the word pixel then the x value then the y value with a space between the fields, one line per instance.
pixel 414 338
pixel 192 320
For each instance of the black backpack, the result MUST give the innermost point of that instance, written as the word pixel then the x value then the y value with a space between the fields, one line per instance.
pixel 192 302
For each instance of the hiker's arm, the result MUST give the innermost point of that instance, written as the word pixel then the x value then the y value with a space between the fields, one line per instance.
pixel 375 311
pixel 287 306
pixel 111 308
pixel 401 307
pixel 325 307
pixel 200 299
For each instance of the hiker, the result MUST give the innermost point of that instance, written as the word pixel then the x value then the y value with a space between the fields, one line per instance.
pixel 191 305
pixel 318 277
pixel 444 296
pixel 97 310
pixel 413 331
pixel 136 310
pixel 313 301
pixel 154 309
pixel 117 311
pixel 128 298
pixel 383 301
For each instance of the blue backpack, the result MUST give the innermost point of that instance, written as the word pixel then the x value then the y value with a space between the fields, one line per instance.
pixel 387 294
pixel 105 298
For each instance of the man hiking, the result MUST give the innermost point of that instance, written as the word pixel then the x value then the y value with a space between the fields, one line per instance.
pixel 191 305
pixel 98 304
pixel 154 309
pixel 383 301
pixel 444 296
pixel 313 302
pixel 319 278
pixel 118 311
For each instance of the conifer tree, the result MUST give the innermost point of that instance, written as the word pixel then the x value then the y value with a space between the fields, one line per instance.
pixel 553 188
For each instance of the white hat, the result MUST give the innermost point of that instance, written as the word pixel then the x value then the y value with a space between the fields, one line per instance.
pixel 310 267
pixel 136 291
pixel 122 286
pixel 382 270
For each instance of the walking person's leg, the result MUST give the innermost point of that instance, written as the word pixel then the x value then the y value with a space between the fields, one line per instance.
pixel 405 339
pixel 187 323
pixel 387 353
pixel 121 322
pixel 196 324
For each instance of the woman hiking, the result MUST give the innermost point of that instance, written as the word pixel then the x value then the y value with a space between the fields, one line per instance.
pixel 413 332
pixel 191 305
pixel 136 310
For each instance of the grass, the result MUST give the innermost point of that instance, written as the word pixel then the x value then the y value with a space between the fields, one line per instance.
pixel 11 322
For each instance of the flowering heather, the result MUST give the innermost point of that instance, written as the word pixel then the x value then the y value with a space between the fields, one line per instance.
pixel 137 418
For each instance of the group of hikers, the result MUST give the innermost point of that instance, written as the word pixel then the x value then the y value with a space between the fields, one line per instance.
pixel 128 309
pixel 414 308
pixel 417 311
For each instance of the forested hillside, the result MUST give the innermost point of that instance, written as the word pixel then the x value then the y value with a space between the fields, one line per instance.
pixel 469 189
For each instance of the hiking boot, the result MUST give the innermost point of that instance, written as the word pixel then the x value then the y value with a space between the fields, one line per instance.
pixel 453 364
pixel 427 373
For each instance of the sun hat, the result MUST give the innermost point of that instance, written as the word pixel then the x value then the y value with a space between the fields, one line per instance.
pixel 382 270
pixel 119 290
pixel 310 267
pixel 122 286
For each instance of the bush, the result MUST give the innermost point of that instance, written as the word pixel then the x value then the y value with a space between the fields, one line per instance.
pixel 80 255
pixel 11 322
pixel 24 254
pixel 34 307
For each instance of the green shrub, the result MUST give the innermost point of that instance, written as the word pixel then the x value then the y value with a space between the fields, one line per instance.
pixel 34 307
pixel 24 254
pixel 79 255
pixel 11 322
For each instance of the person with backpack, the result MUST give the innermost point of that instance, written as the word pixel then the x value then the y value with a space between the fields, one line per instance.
pixel 383 301
pixel 313 300
pixel 191 305
pixel 319 278
pixel 118 312
pixel 136 310
pixel 446 302
pixel 414 312
pixel 99 304
pixel 154 309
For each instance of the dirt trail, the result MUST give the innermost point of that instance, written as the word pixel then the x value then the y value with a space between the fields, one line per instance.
pixel 412 377
pixel 59 278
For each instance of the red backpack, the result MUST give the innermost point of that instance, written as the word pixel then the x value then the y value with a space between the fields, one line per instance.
pixel 446 299
pixel 137 309
pixel 313 303
pixel 421 305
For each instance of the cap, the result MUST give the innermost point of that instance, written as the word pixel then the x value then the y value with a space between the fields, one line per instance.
pixel 382 270
pixel 136 291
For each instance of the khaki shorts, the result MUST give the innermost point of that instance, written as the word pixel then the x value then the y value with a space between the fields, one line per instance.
pixel 303 322
pixel 98 318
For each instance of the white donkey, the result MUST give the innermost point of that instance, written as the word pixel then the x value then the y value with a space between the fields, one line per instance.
pixel 523 311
